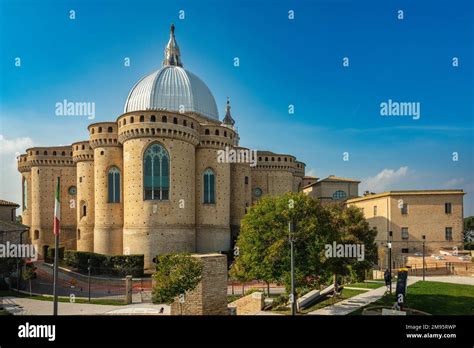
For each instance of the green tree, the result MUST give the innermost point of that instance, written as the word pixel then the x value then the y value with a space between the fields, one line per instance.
pixel 29 274
pixel 175 275
pixel 263 242
pixel 350 227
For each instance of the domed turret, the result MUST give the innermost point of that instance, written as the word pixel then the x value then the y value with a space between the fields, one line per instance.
pixel 172 88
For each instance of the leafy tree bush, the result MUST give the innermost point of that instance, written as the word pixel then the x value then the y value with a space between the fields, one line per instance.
pixel 175 275
pixel 263 250
pixel 121 265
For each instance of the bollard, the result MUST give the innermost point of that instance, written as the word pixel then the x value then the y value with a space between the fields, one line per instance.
pixel 128 289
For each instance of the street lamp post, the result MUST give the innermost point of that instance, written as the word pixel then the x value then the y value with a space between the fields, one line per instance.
pixel 291 231
pixel 18 268
pixel 424 238
pixel 389 245
pixel 89 278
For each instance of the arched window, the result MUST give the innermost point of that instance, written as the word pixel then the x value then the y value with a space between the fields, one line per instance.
pixel 153 118
pixel 209 186
pixel 142 118
pixel 206 132
pixel 339 195
pixel 84 210
pixel 217 132
pixel 124 121
pixel 175 120
pixel 25 193
pixel 164 119
pixel 100 129
pixel 110 130
pixel 114 185
pixel 156 181
pixel 185 123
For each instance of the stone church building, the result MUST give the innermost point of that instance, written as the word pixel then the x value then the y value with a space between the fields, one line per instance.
pixel 150 181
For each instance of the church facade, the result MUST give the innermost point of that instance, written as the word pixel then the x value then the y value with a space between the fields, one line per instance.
pixel 152 181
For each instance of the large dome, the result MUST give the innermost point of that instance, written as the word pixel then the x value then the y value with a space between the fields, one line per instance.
pixel 172 88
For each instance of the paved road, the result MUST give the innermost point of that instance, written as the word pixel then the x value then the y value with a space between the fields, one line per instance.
pixel 25 306
pixel 351 304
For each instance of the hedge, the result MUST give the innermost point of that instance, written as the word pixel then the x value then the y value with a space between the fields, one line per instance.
pixel 121 265
pixel 51 252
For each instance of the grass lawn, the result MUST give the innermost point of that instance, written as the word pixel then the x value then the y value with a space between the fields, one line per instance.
pixel 365 285
pixel 4 312
pixel 346 293
pixel 435 298
pixel 64 299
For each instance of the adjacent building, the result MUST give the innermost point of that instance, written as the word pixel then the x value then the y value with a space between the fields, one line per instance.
pixel 151 182
pixel 332 188
pixel 413 216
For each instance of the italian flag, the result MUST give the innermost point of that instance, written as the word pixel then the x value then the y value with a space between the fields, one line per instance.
pixel 57 210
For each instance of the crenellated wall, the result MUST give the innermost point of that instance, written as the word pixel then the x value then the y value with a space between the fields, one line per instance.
pixel 153 227
pixel 135 225
pixel 108 224
pixel 213 219
pixel 83 156
pixel 45 165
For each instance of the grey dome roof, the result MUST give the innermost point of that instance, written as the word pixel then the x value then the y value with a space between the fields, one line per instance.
pixel 172 88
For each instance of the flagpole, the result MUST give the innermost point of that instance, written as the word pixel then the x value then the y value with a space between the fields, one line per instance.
pixel 56 248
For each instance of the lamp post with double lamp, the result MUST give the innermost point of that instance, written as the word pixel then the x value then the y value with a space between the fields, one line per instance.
pixel 291 233
pixel 424 238
pixel 389 245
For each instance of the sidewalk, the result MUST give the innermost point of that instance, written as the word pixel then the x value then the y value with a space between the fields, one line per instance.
pixel 351 304
pixel 26 306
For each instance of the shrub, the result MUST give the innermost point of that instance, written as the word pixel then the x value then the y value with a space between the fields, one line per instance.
pixel 128 264
pixel 51 252
pixel 121 265
pixel 175 275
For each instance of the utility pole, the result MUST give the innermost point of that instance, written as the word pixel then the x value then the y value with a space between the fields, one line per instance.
pixel 291 231
pixel 89 277
pixel 18 267
pixel 389 245
pixel 424 238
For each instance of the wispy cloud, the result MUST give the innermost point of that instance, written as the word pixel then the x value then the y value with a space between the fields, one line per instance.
pixel 384 179
pixel 11 146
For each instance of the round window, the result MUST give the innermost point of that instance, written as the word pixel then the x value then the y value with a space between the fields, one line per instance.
pixel 257 192
pixel 339 195
pixel 72 190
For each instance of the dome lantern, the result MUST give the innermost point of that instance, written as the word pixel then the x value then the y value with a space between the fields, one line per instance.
pixel 172 53
pixel 228 120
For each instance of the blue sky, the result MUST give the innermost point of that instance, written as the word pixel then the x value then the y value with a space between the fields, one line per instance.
pixel 282 62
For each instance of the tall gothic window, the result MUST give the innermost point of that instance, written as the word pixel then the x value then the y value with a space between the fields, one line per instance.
pixel 25 194
pixel 156 165
pixel 209 186
pixel 114 185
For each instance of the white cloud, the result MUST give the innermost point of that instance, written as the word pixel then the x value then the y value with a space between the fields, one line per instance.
pixel 311 172
pixel 384 179
pixel 12 146
pixel 453 183
pixel 10 189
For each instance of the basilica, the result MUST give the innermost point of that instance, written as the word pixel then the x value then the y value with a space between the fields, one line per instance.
pixel 153 180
